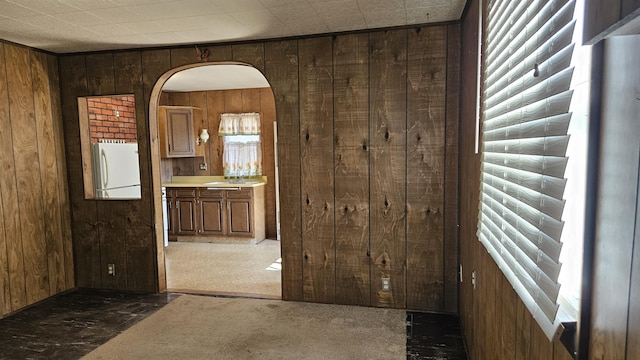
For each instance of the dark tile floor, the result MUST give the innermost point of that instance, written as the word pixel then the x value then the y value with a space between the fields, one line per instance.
pixel 434 336
pixel 70 325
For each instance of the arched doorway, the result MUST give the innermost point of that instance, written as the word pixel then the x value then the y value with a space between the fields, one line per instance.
pixel 210 163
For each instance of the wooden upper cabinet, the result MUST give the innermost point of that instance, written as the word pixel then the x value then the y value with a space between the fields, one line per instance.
pixel 178 130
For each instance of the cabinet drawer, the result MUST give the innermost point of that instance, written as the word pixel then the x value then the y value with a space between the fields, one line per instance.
pixel 184 192
pixel 210 193
pixel 239 194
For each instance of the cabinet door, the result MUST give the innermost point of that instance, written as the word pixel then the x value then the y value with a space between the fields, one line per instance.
pixel 210 216
pixel 239 217
pixel 185 216
pixel 177 136
pixel 180 133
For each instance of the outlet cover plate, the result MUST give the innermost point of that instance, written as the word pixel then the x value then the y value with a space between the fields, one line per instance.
pixel 386 284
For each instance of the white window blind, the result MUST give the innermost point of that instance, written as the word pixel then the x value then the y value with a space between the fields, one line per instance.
pixel 525 117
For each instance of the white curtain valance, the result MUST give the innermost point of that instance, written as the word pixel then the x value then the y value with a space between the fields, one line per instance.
pixel 239 124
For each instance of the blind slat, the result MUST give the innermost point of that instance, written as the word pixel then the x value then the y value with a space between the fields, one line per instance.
pixel 554 85
pixel 545 203
pixel 529 32
pixel 555 105
pixel 544 184
pixel 554 126
pixel 515 209
pixel 507 87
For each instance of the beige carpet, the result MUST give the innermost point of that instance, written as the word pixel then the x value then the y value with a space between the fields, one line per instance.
pixel 202 327
pixel 213 268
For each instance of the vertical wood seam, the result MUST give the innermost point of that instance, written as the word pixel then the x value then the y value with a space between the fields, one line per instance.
pixel 301 267
pixel 371 278
pixel 444 175
pixel 406 163
pixel 333 167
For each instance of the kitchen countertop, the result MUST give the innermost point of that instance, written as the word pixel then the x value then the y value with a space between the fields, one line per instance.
pixel 212 182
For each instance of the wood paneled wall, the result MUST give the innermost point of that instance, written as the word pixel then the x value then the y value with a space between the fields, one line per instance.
pixel 496 323
pixel 214 103
pixel 367 149
pixel 604 17
pixel 36 258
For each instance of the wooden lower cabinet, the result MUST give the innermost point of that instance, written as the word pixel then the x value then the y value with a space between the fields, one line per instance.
pixel 239 212
pixel 210 212
pixel 210 219
pixel 184 203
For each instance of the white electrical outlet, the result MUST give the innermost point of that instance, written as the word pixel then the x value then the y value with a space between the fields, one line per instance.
pixel 386 284
pixel 111 269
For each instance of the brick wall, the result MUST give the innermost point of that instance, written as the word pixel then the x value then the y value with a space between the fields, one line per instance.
pixel 113 118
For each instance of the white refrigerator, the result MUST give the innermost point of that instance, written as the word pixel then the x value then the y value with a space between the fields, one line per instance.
pixel 116 172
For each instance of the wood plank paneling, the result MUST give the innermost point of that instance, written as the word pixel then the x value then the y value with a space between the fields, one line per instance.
pixel 316 153
pixel 61 168
pixel 451 203
pixel 183 56
pixel 426 83
pixel 370 158
pixel 388 63
pixel 215 107
pixel 281 68
pixel 220 53
pixel 137 214
pixel 5 291
pixel 351 134
pixel 508 313
pixel 111 224
pixel 541 346
pixel 468 179
pixel 8 186
pixel 252 54
pixel 523 332
pixel 268 109
pixel 199 99
pixel 34 232
pixel 85 223
pixel 52 217
pixel 27 168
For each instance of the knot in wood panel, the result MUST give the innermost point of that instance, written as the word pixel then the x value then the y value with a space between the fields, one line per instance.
pixel 386 135
pixel 364 146
pixel 308 201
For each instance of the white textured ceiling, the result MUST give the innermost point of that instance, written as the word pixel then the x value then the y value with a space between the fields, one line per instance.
pixel 65 26
pixel 216 77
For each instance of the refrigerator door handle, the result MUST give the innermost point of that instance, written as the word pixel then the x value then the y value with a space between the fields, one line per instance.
pixel 105 167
